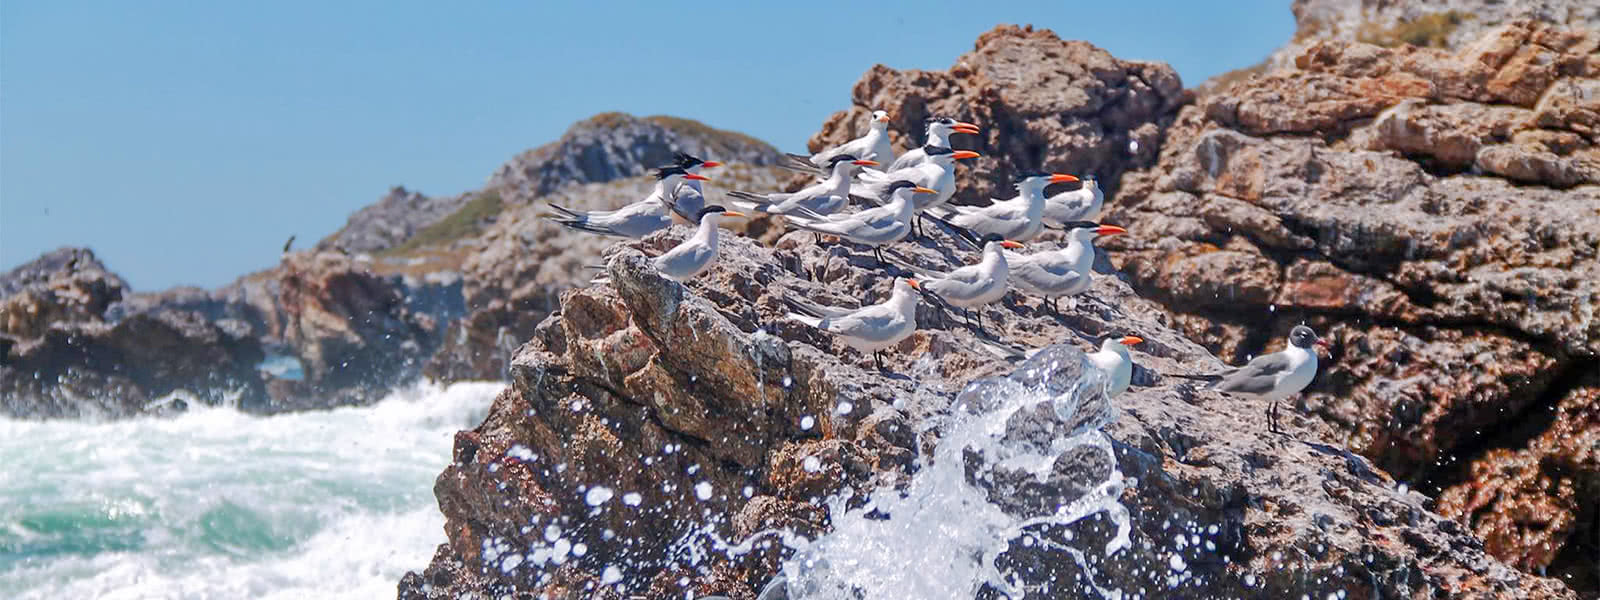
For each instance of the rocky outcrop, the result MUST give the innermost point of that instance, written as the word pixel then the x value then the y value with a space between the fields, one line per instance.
pixel 77 343
pixel 1450 24
pixel 656 433
pixel 1435 212
pixel 1043 104
pixel 611 146
pixel 391 221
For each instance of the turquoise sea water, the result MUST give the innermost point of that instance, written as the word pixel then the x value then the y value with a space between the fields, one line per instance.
pixel 219 504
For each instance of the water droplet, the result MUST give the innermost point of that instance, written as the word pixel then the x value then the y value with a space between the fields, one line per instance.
pixel 844 408
pixel 702 490
pixel 597 495
pixel 611 575
pixel 632 498
pixel 811 464
pixel 807 422
pixel 552 532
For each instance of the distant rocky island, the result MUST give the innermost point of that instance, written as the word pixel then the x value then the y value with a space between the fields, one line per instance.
pixel 1420 183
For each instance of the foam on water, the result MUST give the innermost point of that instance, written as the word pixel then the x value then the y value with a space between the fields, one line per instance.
pixel 219 504
pixel 942 536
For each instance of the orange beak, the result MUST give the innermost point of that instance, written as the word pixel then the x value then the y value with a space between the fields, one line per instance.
pixel 960 154
pixel 1131 340
pixel 913 283
pixel 697 177
pixel 729 213
pixel 1061 178
pixel 883 119
pixel 865 163
pixel 1010 244
pixel 710 163
pixel 1109 230
pixel 922 190
pixel 965 128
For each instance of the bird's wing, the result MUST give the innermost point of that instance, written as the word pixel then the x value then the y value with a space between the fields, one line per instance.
pixel 807 307
pixel 874 323
pixel 908 160
pixel 1033 275
pixel 1257 377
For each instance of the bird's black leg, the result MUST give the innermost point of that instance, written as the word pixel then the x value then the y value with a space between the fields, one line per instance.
pixel 877 357
pixel 979 310
pixel 878 252
pixel 1272 418
pixel 819 237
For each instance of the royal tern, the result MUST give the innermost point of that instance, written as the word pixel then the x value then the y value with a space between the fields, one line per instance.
pixel 939 130
pixel 867 329
pixel 875 226
pixel 1082 204
pixel 938 173
pixel 1019 218
pixel 1053 274
pixel 814 201
pixel 635 220
pixel 688 197
pixel 694 255
pixel 872 146
pixel 1114 360
pixel 1274 377
pixel 972 286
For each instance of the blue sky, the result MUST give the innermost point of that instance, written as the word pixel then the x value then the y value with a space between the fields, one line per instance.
pixel 184 141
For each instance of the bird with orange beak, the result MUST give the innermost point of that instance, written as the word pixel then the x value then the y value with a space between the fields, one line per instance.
pixel 688 197
pixel 872 328
pixel 973 286
pixel 1019 218
pixel 696 254
pixel 1054 274
pixel 1114 361
pixel 635 220
pixel 874 146
pixel 939 131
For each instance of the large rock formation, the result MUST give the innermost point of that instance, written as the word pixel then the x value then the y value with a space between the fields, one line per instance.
pixel 1436 213
pixel 656 433
pixel 1043 104
pixel 1435 23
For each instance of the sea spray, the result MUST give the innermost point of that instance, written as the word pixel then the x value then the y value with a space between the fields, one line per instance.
pixel 215 503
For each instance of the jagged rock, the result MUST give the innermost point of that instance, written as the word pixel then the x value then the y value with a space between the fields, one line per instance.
pixel 391 220
pixel 646 412
pixel 1450 24
pixel 1043 104
pixel 68 285
pixel 611 146
pixel 1417 211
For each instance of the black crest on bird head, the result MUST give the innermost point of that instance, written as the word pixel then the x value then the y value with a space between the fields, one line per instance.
pixel 665 172
pixel 940 119
pixel 841 157
pixel 1302 336
pixel 700 216
pixel 1071 225
pixel 933 150
pixel 1114 335
pixel 900 185
pixel 684 159
pixel 992 237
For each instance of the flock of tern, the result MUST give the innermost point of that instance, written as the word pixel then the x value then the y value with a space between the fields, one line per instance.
pixel 897 193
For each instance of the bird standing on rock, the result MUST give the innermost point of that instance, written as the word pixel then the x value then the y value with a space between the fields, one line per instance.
pixel 635 220
pixel 1113 359
pixel 939 130
pixel 872 146
pixel 972 286
pixel 694 255
pixel 1019 218
pixel 814 201
pixel 1054 274
pixel 1274 377
pixel 867 329
pixel 688 197
pixel 874 226
pixel 1082 204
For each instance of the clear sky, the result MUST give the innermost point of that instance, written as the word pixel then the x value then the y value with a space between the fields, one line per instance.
pixel 184 141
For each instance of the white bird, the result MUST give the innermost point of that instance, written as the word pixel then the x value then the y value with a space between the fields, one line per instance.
pixel 873 227
pixel 688 197
pixel 937 173
pixel 872 146
pixel 867 329
pixel 1113 359
pixel 1053 274
pixel 816 200
pixel 635 220
pixel 1019 218
pixel 939 130
pixel 1082 204
pixel 972 286
pixel 696 254
pixel 1277 376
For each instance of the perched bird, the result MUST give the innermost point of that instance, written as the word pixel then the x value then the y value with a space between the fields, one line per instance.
pixel 1275 376
pixel 1019 218
pixel 872 146
pixel 1114 360
pixel 289 244
pixel 939 130
pixel 873 227
pixel 972 286
pixel 1053 274
pixel 688 197
pixel 1082 204
pixel 635 220
pixel 869 328
pixel 938 173
pixel 694 255
pixel 816 200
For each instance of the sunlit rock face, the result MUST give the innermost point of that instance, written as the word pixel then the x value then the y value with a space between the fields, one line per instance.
pixel 1432 212
pixel 664 440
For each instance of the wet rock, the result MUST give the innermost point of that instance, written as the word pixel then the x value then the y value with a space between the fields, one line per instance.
pixel 713 424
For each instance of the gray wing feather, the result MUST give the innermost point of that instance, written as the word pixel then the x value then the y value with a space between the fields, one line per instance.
pixel 1257 377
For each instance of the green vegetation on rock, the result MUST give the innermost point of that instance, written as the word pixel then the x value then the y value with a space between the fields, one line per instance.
pixel 1428 31
pixel 464 222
